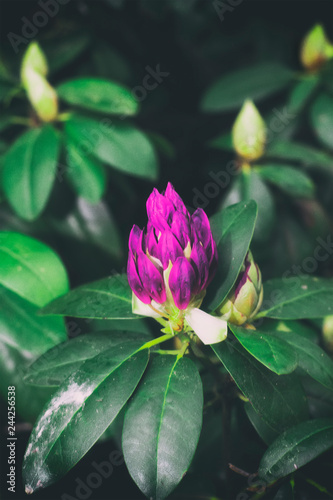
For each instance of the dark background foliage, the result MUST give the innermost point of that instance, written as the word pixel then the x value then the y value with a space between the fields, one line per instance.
pixel 120 38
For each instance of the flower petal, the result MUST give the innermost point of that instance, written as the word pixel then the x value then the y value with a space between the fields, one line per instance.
pixel 180 227
pixel 152 279
pixel 134 238
pixel 159 210
pixel 201 227
pixel 168 248
pixel 200 264
pixel 209 329
pixel 182 282
pixel 172 195
pixel 134 280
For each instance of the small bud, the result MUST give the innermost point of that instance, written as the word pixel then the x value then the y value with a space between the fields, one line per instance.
pixel 328 333
pixel 316 49
pixel 244 300
pixel 42 96
pixel 249 132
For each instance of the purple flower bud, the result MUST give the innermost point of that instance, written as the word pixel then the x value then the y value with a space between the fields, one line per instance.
pixel 173 261
pixel 182 282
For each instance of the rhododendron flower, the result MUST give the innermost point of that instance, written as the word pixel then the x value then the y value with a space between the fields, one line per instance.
pixel 171 263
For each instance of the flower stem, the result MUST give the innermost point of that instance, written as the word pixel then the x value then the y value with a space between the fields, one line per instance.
pixel 153 342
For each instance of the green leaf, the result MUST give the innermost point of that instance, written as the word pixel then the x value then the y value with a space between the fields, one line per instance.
pixel 223 142
pixel 297 297
pixel 31 269
pixel 85 174
pixel 80 411
pixel 108 298
pixel 255 82
pixel 322 119
pixel 253 188
pixel 118 144
pixel 29 171
pixel 232 230
pixel 311 358
pixel 273 352
pixel 288 179
pixel 296 447
pixel 21 328
pixel 92 223
pixel 278 399
pixel 302 93
pixel 63 50
pixel 162 425
pixel 266 433
pixel 53 367
pixel 298 152
pixel 99 95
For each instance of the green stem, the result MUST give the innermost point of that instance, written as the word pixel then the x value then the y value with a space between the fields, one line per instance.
pixel 64 117
pixel 183 350
pixel 159 340
pixel 174 352
pixel 20 120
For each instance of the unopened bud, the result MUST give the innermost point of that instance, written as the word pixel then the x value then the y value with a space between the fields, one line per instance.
pixel 316 48
pixel 328 333
pixel 249 132
pixel 42 95
pixel 244 300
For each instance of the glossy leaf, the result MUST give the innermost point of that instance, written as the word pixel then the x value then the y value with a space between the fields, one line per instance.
pixel 255 82
pixel 162 425
pixel 86 174
pixel 296 447
pixel 232 230
pixel 301 153
pixel 288 179
pixel 298 297
pixel 92 223
pixel 99 95
pixel 311 358
pixel 322 119
pixel 29 171
pixel 118 144
pixel 23 329
pixel 278 399
pixel 53 367
pixel 108 298
pixel 266 433
pixel 80 411
pixel 273 352
pixel 61 51
pixel 31 269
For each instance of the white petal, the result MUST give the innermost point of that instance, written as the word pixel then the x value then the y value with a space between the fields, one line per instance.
pixel 139 307
pixel 209 329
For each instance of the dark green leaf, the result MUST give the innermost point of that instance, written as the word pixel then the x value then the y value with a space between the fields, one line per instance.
pixel 305 155
pixel 118 144
pixel 232 230
pixel 162 425
pixel 99 95
pixel 255 82
pixel 21 328
pixel 253 188
pixel 302 93
pixel 311 358
pixel 297 297
pixel 108 298
pixel 322 119
pixel 273 352
pixel 62 50
pixel 289 179
pixel 278 399
pixel 296 447
pixel 31 269
pixel 266 433
pixel 29 171
pixel 58 363
pixel 223 142
pixel 92 223
pixel 80 411
pixel 85 173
